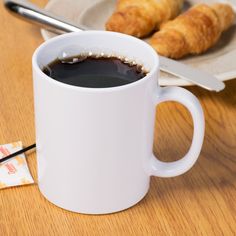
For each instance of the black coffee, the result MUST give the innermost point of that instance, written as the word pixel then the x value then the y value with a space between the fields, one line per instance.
pixel 94 71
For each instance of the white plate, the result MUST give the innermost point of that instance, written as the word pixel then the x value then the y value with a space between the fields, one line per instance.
pixel 219 61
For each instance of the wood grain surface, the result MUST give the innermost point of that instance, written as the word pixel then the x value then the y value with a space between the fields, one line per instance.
pixel 201 202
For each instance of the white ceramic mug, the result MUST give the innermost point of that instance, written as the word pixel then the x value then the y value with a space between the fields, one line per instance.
pixel 94 145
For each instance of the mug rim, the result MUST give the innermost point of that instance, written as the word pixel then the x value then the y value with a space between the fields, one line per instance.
pixel 151 73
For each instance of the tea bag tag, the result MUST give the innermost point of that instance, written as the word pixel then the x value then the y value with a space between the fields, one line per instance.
pixel 15 171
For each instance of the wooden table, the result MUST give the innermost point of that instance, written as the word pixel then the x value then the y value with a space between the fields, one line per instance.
pixel 201 202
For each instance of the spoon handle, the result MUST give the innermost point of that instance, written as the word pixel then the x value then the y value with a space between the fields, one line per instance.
pixel 33 14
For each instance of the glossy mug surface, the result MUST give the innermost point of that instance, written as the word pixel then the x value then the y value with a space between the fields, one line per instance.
pixel 94 145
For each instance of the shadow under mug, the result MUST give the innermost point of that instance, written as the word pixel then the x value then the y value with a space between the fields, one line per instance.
pixel 94 145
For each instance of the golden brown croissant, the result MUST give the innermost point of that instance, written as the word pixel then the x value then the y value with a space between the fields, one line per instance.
pixel 194 31
pixel 141 17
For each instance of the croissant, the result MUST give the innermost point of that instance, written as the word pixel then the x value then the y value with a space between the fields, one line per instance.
pixel 194 31
pixel 140 17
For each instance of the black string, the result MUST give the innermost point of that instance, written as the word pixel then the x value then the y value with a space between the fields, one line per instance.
pixel 17 153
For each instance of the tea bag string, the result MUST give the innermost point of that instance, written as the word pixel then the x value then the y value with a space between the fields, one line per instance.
pixel 17 153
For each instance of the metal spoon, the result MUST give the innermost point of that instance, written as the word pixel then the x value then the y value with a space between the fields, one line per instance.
pixel 56 24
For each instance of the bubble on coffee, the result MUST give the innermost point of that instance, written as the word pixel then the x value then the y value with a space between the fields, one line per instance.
pixel 47 69
pixel 69 55
pixel 75 54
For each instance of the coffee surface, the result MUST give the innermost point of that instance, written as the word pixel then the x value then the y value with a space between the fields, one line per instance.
pixel 94 71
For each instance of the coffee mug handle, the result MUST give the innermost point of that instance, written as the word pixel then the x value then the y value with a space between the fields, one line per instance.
pixel 171 169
